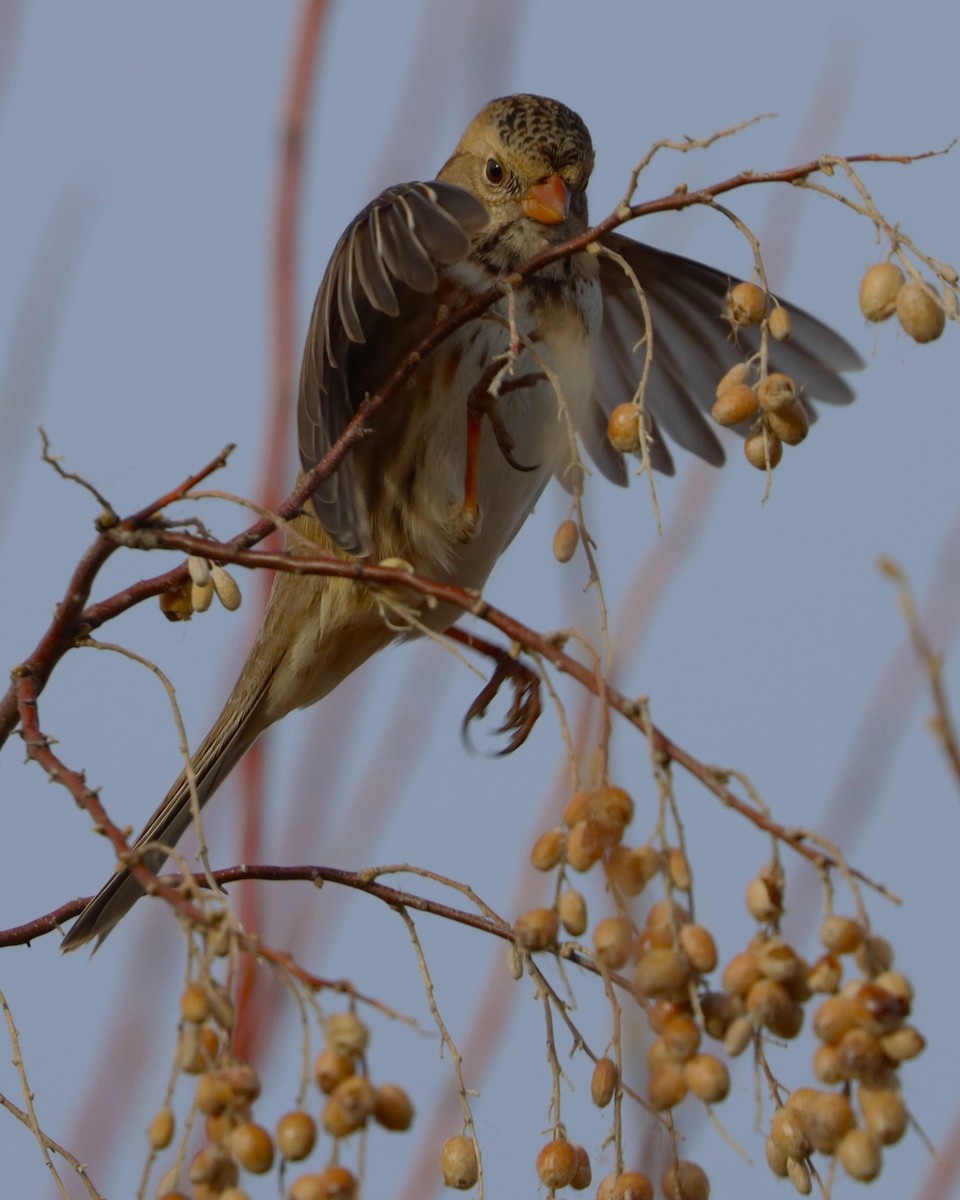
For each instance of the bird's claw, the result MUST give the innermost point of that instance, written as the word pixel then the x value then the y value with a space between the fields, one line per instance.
pixel 525 707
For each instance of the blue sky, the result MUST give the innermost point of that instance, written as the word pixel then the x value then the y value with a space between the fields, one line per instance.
pixel 138 145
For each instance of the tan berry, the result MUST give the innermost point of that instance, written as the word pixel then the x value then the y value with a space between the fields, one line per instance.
pixel 799 1175
pixel 331 1068
pixel 197 1049
pixel 776 392
pixel 746 305
pixel 777 1159
pixel 679 869
pixel 764 898
pixel 194 1005
pixel 201 596
pixel 719 1009
pixel 860 1156
pixel 213 1165
pixel 631 869
pixel 874 955
pixel 876 1010
pixel 213 1094
pixel 661 971
pixel 346 1033
pixel 666 1086
pixel 698 945
pixel 612 942
pixel 226 587
pixel 537 929
pixel 243 1082
pixel 458 1162
pixel 826 974
pixel 827 1065
pixel 841 935
pixel 777 960
pixel 827 1118
pixel 741 973
pixel 335 1183
pixel 763 449
pixel 579 808
pixel 737 404
pixel 565 541
pixel 861 1056
pixel 356 1097
pixel 788 1133
pixel 884 1113
pixel 612 809
pixel 556 1163
pixel 548 850
pixel 623 428
pixel 219 1126
pixel 685 1181
pixel 770 1005
pixel 897 984
pixel 833 1019
pixel 920 312
pixel 583 1174
pixel 663 918
pixel 707 1077
pixel 658 1054
pixel 878 291
pixel 903 1043
pixel 586 843
pixel 681 1036
pixel 161 1129
pixel 739 1036
pixel 296 1135
pixel 392 1108
pixel 631 1185
pixel 738 375
pixel 572 911
pixel 603 1082
pixel 791 424
pixel 252 1147
pixel 779 324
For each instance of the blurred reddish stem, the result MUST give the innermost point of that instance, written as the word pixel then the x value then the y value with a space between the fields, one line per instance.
pixel 271 489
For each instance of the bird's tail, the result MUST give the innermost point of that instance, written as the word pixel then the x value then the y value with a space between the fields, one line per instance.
pixel 230 738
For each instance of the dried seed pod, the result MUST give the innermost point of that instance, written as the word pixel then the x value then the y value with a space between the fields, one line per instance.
pixel 764 897
pixel 586 843
pixel 763 449
pixel 199 569
pixel 799 1174
pixel 833 1019
pixel 826 1064
pixel 827 1118
pixel 826 974
pixel 346 1033
pixel 631 1185
pixel 335 1183
pixel 841 935
pixel 612 809
pixel 776 392
pixel 666 1086
pixel 565 541
pixel 612 941
pixel 623 428
pixel 741 973
pixel 739 1035
pixel 161 1129
pixel 860 1156
pixel 779 324
pixel 746 305
pixel 777 1159
pixel 679 869
pixel 897 984
pixel 537 929
pixel 778 960
pixel 252 1147
pixel 583 1174
pixel 556 1163
pixel 213 1165
pixel 661 972
pixel 201 596
pixel 920 312
pixel 885 1114
pixel 877 1011
pixel 861 1057
pixel 213 1094
pixel 548 850
pixel 685 1181
pixel 738 403
pixel 632 868
pixel 458 1162
pixel 903 1043
pixel 296 1135
pixel 719 1010
pixel 738 375
pixel 226 587
pixel 603 1082
pixel 393 1108
pixel 572 910
pixel 698 945
pixel 194 1004
pixel 197 1049
pixel 788 1133
pixel 878 291
pixel 771 1006
pixel 707 1077
pixel 355 1098
pixel 681 1036
pixel 331 1068
pixel 790 424
pixel 176 604
pixel 874 955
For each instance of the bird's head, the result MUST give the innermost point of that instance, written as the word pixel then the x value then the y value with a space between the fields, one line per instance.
pixel 528 160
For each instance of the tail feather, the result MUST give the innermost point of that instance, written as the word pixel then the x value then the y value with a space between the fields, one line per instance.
pixel 222 748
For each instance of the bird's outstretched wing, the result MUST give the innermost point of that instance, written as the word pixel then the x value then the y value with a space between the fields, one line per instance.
pixel 384 261
pixel 692 350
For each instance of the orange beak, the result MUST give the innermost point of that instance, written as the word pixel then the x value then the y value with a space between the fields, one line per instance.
pixel 548 202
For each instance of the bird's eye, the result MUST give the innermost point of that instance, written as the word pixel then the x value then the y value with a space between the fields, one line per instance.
pixel 494 171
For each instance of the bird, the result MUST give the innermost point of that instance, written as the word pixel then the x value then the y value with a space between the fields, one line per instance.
pixel 455 462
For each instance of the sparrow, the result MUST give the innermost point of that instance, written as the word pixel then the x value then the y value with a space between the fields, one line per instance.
pixel 455 463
